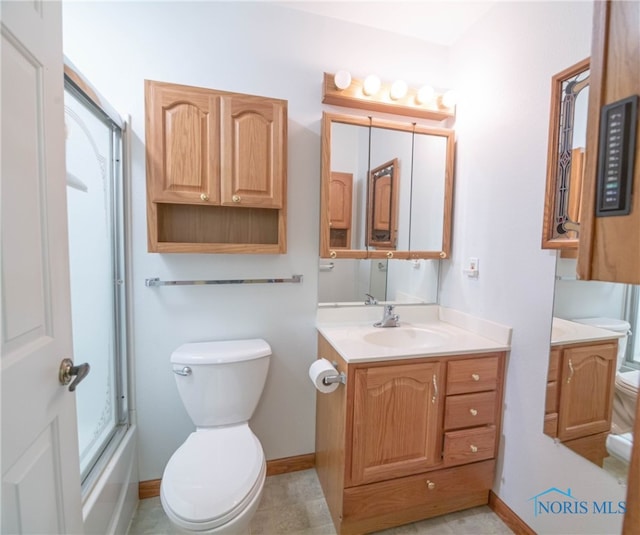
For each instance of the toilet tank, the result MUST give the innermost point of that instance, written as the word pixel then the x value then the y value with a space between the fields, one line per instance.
pixel 221 382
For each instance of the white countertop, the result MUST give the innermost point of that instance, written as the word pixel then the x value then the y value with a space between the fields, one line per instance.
pixel 424 331
pixel 565 332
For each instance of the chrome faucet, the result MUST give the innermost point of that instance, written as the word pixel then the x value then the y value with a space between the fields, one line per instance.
pixel 370 300
pixel 389 318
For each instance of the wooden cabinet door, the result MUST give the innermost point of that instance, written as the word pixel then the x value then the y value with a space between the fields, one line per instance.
pixel 254 157
pixel 396 428
pixel 586 391
pixel 183 154
pixel 340 200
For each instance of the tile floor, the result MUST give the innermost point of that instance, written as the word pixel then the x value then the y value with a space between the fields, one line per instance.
pixel 294 504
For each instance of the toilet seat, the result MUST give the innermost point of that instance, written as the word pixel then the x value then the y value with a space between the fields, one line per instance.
pixel 213 477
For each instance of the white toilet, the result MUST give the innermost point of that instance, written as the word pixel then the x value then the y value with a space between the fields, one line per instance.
pixel 620 440
pixel 213 482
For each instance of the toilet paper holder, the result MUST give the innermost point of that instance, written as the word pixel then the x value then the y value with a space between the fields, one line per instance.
pixel 340 378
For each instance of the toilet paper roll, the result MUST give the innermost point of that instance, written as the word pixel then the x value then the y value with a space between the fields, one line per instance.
pixel 320 369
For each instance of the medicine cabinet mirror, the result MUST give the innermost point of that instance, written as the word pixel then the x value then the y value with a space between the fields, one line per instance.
pixel 565 159
pixel 387 189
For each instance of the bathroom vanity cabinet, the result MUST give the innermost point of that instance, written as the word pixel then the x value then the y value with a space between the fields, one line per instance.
pixel 216 170
pixel 408 439
pixel 579 402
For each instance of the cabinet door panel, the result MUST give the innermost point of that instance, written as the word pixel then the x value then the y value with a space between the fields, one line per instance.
pixel 586 392
pixel 254 159
pixel 182 154
pixel 395 421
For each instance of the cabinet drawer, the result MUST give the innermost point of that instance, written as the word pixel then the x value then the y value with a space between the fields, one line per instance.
pixel 472 375
pixel 469 445
pixel 469 410
pixel 427 489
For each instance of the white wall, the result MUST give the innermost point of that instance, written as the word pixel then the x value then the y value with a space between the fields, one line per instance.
pixel 248 48
pixel 503 69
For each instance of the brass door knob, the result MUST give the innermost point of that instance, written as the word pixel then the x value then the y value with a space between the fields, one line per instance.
pixel 473 412
pixel 475 377
pixel 236 198
pixel 389 255
pixel 204 196
pixel 474 449
pixel 333 254
pixel 443 254
pixel 430 485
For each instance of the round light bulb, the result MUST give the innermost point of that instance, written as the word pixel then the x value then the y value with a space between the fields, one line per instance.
pixel 425 94
pixel 449 99
pixel 342 79
pixel 371 85
pixel 398 90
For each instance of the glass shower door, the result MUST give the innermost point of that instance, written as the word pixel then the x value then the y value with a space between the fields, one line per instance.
pixel 94 204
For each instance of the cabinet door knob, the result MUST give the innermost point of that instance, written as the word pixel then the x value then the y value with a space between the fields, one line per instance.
pixel 333 254
pixel 474 449
pixel 474 412
pixel 204 196
pixel 475 377
pixel 430 484
pixel 235 198
pixel 389 255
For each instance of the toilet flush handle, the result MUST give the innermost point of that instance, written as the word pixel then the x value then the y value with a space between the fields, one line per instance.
pixel 184 371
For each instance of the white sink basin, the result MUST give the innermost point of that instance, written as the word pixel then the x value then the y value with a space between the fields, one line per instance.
pixel 405 337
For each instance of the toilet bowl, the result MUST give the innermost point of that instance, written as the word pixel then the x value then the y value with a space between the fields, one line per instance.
pixel 213 482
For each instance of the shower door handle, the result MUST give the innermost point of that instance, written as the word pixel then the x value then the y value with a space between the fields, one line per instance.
pixel 69 371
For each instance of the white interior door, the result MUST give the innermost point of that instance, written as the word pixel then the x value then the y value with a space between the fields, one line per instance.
pixel 40 471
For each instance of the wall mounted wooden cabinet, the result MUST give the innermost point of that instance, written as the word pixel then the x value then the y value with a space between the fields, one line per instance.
pixel 408 439
pixel 216 170
pixel 579 402
pixel 609 247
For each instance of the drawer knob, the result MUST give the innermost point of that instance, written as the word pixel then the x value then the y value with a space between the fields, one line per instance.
pixel 475 377
pixel 474 412
pixel 430 485
pixel 474 449
pixel 204 196
pixel 235 198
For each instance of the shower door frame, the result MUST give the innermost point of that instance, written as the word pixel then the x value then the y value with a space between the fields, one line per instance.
pixel 81 89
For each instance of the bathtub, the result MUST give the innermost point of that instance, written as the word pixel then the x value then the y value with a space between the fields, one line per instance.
pixel 112 500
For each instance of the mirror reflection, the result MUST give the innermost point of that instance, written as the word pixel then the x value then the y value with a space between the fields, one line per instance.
pixel 386 189
pixel 594 368
pixel 565 160
pixel 345 280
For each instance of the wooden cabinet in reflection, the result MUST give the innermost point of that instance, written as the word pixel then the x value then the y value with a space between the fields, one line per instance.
pixel 340 209
pixel 580 386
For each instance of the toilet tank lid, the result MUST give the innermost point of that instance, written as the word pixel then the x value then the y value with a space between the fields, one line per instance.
pixel 220 352
pixel 612 324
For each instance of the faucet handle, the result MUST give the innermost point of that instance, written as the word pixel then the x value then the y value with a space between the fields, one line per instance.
pixel 370 300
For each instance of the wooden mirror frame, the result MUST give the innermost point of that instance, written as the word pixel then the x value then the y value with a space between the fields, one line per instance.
pixel 326 250
pixel 549 240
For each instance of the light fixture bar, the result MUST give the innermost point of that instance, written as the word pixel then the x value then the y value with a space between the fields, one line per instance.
pixel 354 97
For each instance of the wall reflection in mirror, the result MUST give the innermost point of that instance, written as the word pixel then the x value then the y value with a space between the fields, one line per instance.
pixel 594 368
pixel 345 280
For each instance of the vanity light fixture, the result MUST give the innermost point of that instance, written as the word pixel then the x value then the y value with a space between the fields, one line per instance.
pixel 341 89
pixel 398 90
pixel 342 79
pixel 371 85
